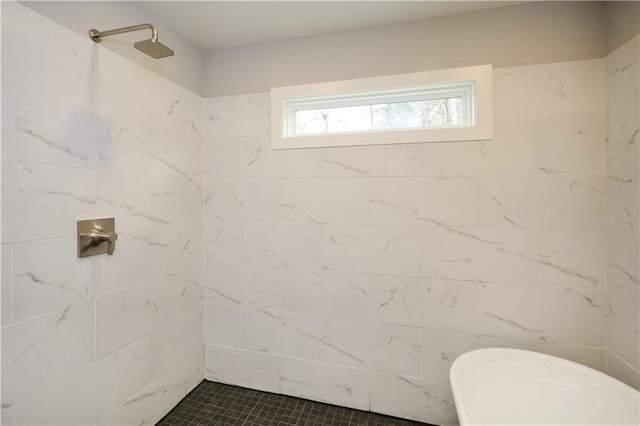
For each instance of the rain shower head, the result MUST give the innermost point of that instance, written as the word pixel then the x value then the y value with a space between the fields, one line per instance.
pixel 151 47
pixel 155 49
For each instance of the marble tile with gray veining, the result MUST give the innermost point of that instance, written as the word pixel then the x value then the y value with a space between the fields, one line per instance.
pixel 506 202
pixel 65 64
pixel 222 156
pixel 330 293
pixel 192 278
pixel 180 159
pixel 305 200
pixel 514 148
pixel 140 201
pixel 514 311
pixel 568 202
pixel 383 161
pixel 53 130
pixel 128 314
pixel 622 203
pixel 229 115
pixel 174 341
pixel 183 113
pixel 283 163
pixel 429 303
pixel 621 76
pixel 48 276
pixel 572 259
pixel 243 285
pixel 573 203
pixel 572 144
pixel 79 111
pixel 282 244
pixel 254 370
pixel 497 255
pixel 387 250
pixel 590 356
pixel 396 349
pixel 413 398
pixel 256 157
pixel 357 162
pixel 150 404
pixel 344 386
pixel 441 348
pixel 623 330
pixel 424 201
pixel 38 200
pixel 223 242
pixel 40 351
pixel 623 267
pixel 261 330
pixel 622 141
pixel 545 90
pixel 173 248
pixel 125 147
pixel 73 399
pixel 301 335
pixel 237 200
pixel 348 342
pixel 129 89
pixel 622 165
pixel 285 333
pixel 128 266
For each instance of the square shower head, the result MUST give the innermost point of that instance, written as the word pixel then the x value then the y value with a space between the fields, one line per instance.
pixel 155 49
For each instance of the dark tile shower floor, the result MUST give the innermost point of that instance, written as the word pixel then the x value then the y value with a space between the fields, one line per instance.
pixel 213 403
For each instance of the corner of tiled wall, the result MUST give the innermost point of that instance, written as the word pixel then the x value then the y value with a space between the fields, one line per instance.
pixel 623 213
pixel 85 134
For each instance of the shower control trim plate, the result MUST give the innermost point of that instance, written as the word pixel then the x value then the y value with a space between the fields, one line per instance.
pixel 96 236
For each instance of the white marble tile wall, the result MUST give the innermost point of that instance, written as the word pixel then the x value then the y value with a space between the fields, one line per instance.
pixel 85 134
pixel 366 270
pixel 623 213
pixel 349 275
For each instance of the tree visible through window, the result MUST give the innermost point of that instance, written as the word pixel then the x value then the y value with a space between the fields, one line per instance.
pixel 397 115
pixel 429 106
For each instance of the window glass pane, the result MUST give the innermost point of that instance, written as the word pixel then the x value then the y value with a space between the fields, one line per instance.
pixel 444 112
pixel 427 106
pixel 417 114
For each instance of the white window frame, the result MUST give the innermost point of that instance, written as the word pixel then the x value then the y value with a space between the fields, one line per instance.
pixel 286 100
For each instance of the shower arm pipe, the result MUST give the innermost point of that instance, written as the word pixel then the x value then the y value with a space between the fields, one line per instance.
pixel 98 35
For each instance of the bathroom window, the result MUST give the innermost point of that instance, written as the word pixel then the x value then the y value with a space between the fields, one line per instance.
pixel 432 106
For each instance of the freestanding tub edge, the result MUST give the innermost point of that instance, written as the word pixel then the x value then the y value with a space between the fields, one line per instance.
pixel 498 386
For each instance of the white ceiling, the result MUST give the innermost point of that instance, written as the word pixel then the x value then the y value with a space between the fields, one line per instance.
pixel 212 25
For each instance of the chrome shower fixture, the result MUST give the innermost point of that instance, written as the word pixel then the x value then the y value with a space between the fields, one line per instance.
pixel 151 47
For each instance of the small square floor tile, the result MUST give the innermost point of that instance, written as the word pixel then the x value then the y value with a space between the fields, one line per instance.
pixel 217 404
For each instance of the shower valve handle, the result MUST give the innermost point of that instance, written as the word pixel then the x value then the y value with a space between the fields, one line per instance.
pixel 98 236
pixel 93 233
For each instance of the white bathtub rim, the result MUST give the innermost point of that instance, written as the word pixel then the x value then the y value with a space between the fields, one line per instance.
pixel 456 385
